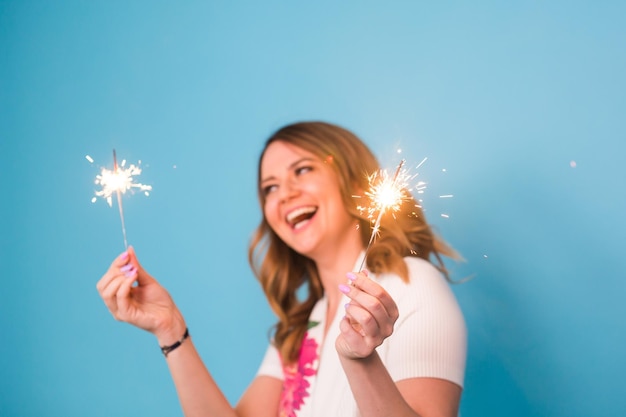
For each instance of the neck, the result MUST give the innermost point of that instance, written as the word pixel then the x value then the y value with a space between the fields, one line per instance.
pixel 333 268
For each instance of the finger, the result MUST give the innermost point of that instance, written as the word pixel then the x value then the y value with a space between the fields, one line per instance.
pixel 122 260
pixel 372 295
pixel 352 342
pixel 362 321
pixel 109 293
pixel 351 331
pixel 132 255
pixel 370 303
pixel 123 297
pixel 142 276
pixel 112 274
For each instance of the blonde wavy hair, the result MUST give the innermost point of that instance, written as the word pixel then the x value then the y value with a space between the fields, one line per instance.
pixel 282 271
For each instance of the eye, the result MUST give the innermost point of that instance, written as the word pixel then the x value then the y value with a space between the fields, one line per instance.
pixel 268 189
pixel 303 170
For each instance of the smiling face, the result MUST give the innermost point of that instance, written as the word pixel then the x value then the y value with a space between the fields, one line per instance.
pixel 303 201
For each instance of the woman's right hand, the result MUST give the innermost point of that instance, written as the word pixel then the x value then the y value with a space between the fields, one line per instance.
pixel 146 305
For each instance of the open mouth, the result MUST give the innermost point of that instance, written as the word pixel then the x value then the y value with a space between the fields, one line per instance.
pixel 300 216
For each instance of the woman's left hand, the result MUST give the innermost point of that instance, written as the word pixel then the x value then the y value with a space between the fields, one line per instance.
pixel 369 320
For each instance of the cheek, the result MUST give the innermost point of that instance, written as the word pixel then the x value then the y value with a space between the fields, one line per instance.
pixel 270 213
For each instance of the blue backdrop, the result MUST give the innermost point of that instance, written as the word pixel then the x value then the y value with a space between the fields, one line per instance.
pixel 518 106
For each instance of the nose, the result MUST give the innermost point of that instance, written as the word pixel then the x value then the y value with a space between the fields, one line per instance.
pixel 288 190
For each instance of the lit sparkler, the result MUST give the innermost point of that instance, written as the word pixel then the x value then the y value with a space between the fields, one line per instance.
pixel 118 181
pixel 386 194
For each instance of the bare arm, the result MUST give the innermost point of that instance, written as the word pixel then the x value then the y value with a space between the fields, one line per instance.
pixel 377 395
pixel 199 395
pixel 369 320
pixel 149 306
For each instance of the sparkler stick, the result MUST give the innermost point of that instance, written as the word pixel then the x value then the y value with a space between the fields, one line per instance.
pixel 385 194
pixel 119 200
pixel 118 181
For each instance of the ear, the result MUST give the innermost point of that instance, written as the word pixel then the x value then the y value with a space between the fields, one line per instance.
pixel 357 189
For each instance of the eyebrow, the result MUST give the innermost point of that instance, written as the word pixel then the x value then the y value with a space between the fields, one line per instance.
pixel 291 166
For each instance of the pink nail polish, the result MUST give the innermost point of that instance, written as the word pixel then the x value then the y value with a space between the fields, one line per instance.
pixel 124 256
pixel 131 272
pixel 126 268
pixel 351 276
pixel 344 288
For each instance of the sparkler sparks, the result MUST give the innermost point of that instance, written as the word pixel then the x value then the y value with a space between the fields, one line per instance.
pixel 386 194
pixel 118 181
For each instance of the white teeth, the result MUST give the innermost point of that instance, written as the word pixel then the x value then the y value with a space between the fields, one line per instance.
pixel 300 224
pixel 299 212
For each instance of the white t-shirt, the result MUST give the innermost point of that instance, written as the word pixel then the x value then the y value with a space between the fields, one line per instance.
pixel 429 340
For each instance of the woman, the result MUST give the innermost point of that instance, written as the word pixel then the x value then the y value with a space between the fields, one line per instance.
pixel 390 342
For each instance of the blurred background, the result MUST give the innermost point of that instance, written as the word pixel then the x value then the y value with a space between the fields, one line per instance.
pixel 518 108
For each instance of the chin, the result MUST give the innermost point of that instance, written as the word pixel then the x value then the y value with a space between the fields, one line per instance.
pixel 304 250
